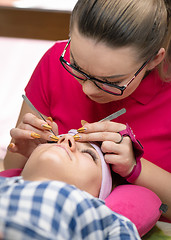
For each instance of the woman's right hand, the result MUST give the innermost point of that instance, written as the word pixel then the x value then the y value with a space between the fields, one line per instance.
pixel 31 132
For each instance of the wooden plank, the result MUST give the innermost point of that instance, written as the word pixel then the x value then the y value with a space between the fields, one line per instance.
pixel 34 23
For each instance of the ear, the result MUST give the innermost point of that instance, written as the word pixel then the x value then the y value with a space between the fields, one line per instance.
pixel 157 59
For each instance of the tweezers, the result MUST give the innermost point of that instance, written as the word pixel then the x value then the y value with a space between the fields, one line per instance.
pixel 110 117
pixel 32 107
pixel 114 115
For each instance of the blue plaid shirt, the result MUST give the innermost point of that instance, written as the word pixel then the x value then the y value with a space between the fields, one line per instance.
pixel 55 210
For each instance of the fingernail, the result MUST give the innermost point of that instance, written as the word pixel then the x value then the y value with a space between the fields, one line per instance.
pixel 11 145
pixel 53 137
pixel 82 129
pixel 35 135
pixel 46 126
pixel 83 122
pixel 50 119
pixel 76 137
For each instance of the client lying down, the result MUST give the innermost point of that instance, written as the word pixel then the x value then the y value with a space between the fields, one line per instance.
pixel 58 196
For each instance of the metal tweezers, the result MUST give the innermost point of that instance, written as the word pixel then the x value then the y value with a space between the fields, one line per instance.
pixel 110 117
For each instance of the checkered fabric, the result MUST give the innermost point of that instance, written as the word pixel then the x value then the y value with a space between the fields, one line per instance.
pixel 55 210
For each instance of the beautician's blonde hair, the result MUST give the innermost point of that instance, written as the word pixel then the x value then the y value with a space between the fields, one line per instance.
pixel 143 24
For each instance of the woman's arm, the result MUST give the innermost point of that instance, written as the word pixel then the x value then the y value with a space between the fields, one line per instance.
pixel 16 160
pixel 27 135
pixel 157 180
pixel 121 157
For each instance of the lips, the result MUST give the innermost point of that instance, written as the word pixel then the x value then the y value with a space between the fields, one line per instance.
pixel 66 150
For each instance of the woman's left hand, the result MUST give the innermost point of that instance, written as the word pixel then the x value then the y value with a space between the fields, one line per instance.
pixel 118 151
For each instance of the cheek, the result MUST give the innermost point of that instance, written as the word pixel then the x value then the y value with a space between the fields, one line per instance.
pixel 89 177
pixel 96 94
pixel 44 165
pixel 134 84
pixel 87 86
pixel 90 88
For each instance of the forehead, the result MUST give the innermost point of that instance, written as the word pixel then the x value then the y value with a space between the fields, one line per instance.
pixel 84 144
pixel 99 59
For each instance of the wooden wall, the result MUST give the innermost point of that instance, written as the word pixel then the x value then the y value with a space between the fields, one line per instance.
pixel 34 23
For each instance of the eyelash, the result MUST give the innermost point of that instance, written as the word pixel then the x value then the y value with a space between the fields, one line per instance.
pixel 114 83
pixel 91 153
pixel 105 80
pixel 75 65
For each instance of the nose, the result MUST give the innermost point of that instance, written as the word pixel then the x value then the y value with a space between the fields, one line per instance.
pixel 67 141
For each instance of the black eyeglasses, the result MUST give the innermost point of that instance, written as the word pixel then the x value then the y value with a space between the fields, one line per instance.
pixel 110 88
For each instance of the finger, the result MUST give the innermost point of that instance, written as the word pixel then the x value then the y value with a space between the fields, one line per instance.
pixel 12 148
pixel 23 134
pixel 27 134
pixel 31 120
pixel 120 165
pixel 54 127
pixel 111 147
pixel 106 126
pixel 99 136
pixel 83 122
pixel 112 158
pixel 34 123
pixel 49 119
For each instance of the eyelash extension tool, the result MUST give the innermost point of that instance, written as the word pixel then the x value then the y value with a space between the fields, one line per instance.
pixel 33 108
pixel 110 117
pixel 114 115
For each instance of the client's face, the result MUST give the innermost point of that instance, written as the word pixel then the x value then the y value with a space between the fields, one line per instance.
pixel 72 162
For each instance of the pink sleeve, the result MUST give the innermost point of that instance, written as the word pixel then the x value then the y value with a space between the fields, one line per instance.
pixel 11 172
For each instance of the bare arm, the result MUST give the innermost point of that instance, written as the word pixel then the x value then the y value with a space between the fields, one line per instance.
pixel 157 180
pixel 27 124
pixel 15 160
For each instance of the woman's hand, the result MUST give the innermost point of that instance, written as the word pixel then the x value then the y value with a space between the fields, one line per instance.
pixel 30 132
pixel 119 154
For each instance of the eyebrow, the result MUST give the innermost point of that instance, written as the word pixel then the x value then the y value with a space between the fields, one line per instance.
pixel 88 145
pixel 109 77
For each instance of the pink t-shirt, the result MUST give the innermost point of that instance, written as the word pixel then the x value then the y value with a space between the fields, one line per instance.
pixel 56 93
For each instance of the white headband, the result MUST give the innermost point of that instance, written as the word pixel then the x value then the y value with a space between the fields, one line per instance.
pixel 106 185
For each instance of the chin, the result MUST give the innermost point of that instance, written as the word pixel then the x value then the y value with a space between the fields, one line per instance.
pixel 104 99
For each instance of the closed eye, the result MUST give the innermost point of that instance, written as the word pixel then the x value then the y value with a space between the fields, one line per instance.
pixel 113 83
pixel 73 63
pixel 91 153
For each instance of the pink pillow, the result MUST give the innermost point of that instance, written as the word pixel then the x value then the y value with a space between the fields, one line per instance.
pixel 139 204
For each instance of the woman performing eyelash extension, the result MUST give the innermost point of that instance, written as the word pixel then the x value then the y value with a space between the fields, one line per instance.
pixel 127 43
